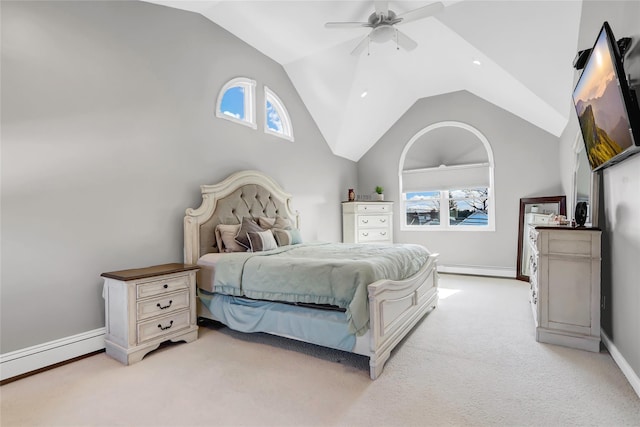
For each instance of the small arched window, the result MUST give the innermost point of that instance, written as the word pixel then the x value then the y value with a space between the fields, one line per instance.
pixel 276 117
pixel 236 102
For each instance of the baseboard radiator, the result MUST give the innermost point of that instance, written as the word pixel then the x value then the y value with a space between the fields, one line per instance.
pixel 478 270
pixel 40 356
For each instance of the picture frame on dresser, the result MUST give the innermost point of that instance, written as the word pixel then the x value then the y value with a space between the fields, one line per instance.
pixel 537 211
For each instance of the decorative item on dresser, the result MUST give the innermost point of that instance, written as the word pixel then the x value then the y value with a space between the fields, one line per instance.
pixel 367 222
pixel 565 285
pixel 147 306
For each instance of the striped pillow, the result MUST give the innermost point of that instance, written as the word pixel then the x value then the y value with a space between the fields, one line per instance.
pixel 287 237
pixel 262 241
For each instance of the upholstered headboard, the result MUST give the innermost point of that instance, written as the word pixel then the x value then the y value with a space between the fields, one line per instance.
pixel 242 194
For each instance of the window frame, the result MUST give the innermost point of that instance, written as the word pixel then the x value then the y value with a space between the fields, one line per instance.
pixel 249 104
pixel 287 127
pixel 444 193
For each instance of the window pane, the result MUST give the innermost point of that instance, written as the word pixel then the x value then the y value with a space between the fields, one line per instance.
pixel 469 207
pixel 423 208
pixel 233 102
pixel 273 118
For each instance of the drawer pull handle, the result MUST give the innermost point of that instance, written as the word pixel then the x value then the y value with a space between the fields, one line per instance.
pixel 162 307
pixel 165 286
pixel 365 234
pixel 164 328
pixel 365 221
pixel 383 220
pixel 383 233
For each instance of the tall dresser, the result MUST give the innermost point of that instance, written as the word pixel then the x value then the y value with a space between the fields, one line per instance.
pixel 367 222
pixel 565 285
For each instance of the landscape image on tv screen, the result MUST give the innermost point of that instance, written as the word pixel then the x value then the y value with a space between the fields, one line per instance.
pixel 601 109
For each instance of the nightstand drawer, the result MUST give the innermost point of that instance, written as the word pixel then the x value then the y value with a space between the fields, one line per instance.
pixel 374 221
pixel 373 235
pixel 159 287
pixel 162 305
pixel 374 208
pixel 163 325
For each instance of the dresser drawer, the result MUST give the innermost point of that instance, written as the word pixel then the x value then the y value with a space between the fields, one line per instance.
pixel 374 208
pixel 160 287
pixel 154 328
pixel 377 221
pixel 162 305
pixel 374 235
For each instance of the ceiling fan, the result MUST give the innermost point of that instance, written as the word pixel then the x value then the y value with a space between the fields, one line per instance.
pixel 382 23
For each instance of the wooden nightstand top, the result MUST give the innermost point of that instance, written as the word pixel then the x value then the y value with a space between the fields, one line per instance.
pixel 156 270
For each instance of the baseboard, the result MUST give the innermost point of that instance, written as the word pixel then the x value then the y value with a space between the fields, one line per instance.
pixel 478 270
pixel 42 355
pixel 626 369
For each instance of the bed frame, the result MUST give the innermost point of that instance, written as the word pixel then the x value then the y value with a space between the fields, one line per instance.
pixel 394 306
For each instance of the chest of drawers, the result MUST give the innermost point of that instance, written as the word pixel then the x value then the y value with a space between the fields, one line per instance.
pixel 564 266
pixel 367 222
pixel 147 306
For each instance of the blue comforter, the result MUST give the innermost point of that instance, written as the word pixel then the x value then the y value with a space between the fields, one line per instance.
pixel 320 273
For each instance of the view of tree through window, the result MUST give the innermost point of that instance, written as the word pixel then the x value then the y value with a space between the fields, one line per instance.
pixel 466 207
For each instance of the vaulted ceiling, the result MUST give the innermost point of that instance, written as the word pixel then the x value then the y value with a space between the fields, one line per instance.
pixel 524 49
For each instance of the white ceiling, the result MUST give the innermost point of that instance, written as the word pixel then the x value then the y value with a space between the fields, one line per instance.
pixel 525 48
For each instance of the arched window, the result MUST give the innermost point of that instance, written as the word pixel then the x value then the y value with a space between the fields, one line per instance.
pixel 446 180
pixel 236 101
pixel 276 117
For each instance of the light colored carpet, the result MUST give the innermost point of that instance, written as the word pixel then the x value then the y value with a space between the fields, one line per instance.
pixel 472 361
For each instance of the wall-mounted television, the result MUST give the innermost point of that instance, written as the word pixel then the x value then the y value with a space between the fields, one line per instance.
pixel 607 109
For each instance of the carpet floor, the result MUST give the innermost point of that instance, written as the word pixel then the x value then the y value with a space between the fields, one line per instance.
pixel 473 361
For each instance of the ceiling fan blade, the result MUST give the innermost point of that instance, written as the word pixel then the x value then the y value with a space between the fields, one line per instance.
pixel 405 42
pixel 382 8
pixel 421 12
pixel 346 24
pixel 361 46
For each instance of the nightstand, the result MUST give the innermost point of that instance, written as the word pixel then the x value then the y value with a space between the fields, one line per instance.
pixel 146 306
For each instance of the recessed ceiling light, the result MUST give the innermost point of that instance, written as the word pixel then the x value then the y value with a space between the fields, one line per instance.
pixel 477 62
pixel 363 94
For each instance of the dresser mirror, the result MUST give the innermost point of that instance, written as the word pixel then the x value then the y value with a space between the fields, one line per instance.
pixel 534 211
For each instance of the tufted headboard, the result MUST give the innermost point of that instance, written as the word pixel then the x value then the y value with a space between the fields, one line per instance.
pixel 242 194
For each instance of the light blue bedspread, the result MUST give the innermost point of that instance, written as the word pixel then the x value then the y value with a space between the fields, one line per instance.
pixel 320 273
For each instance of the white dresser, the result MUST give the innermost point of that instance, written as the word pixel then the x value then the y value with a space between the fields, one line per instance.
pixel 565 285
pixel 367 222
pixel 147 306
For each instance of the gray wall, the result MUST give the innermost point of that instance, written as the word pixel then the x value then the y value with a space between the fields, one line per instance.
pixel 108 129
pixel 620 187
pixel 526 165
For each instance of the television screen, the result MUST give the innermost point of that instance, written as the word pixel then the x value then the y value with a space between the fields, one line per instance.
pixel 608 114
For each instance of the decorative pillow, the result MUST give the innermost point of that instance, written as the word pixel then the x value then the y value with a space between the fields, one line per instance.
pixel 248 226
pixel 262 241
pixel 226 238
pixel 287 237
pixel 277 222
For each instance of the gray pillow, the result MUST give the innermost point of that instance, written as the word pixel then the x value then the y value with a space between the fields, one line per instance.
pixel 248 226
pixel 277 222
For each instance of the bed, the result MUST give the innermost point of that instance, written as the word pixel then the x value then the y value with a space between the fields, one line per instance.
pixel 390 287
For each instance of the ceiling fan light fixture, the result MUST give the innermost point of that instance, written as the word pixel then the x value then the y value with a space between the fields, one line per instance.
pixel 382 33
pixel 363 94
pixel 476 62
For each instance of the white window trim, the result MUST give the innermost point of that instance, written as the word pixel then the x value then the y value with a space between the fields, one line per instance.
pixel 285 120
pixel 249 101
pixel 446 227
